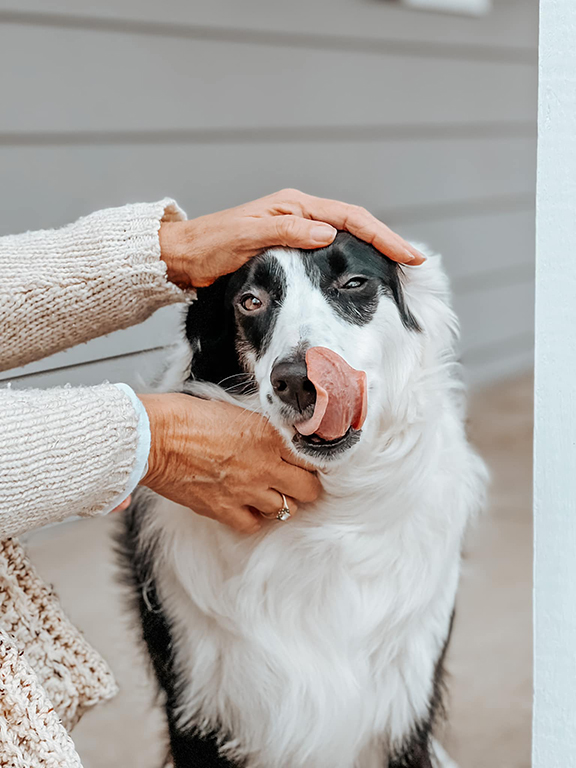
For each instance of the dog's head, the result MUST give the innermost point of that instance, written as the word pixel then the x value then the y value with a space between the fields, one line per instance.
pixel 330 339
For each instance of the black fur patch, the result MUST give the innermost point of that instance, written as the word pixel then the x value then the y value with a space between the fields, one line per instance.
pixel 189 749
pixel 264 277
pixel 215 328
pixel 332 267
pixel 415 753
pixel 211 333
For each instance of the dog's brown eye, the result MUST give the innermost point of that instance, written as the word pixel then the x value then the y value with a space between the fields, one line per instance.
pixel 355 282
pixel 250 303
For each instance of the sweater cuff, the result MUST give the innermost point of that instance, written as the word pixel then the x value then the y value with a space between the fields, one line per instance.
pixel 142 449
pixel 149 271
pixel 64 451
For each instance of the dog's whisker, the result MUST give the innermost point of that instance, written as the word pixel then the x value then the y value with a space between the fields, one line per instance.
pixel 244 375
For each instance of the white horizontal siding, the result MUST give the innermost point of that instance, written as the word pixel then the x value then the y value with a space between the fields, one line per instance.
pixel 499 362
pixel 482 248
pixel 511 28
pixel 493 315
pixel 96 81
pixel 138 370
pixel 426 119
pixel 51 185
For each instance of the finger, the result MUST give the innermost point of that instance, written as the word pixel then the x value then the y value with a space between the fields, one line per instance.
pixel 271 502
pixel 292 232
pixel 295 459
pixel 359 222
pixel 125 504
pixel 242 520
pixel 296 483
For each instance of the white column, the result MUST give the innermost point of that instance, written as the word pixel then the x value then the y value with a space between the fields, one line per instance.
pixel 554 739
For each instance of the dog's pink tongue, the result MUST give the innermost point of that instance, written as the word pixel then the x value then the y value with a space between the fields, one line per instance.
pixel 341 400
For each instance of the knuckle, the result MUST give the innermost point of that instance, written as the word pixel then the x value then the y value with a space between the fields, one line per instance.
pixel 287 228
pixel 243 527
pixel 290 193
pixel 240 523
pixel 313 491
pixel 311 495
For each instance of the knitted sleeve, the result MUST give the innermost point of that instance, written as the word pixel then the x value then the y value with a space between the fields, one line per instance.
pixel 62 287
pixel 63 451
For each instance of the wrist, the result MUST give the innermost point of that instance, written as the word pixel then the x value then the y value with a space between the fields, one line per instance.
pixel 153 406
pixel 171 235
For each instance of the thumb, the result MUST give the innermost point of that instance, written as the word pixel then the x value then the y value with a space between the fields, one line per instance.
pixel 295 232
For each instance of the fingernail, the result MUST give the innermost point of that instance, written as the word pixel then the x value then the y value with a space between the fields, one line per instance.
pixel 322 234
pixel 417 259
pixel 419 254
pixel 409 256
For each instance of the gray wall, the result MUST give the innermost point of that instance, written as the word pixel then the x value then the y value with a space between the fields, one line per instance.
pixel 427 119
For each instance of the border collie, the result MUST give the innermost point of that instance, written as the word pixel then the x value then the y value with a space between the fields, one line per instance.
pixel 318 642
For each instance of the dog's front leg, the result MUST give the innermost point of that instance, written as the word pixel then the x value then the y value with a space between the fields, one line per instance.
pixel 423 753
pixel 415 754
pixel 190 750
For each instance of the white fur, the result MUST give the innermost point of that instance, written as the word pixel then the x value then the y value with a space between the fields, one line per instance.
pixel 314 642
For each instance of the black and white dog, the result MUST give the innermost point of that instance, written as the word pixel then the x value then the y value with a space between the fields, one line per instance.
pixel 318 642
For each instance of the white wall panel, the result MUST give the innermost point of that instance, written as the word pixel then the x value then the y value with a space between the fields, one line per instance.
pixel 51 186
pixel 499 362
pixel 479 248
pixel 95 81
pixel 511 25
pixel 554 731
pixel 491 316
pixel 137 370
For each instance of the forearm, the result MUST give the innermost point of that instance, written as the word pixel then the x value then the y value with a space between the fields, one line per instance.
pixel 62 287
pixel 64 452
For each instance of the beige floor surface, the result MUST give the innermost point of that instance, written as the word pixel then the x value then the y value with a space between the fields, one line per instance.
pixel 490 657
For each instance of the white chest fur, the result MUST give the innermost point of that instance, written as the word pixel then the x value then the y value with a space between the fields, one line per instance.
pixel 315 643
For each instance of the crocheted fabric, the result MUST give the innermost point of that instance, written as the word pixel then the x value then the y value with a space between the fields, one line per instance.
pixel 49 674
pixel 31 734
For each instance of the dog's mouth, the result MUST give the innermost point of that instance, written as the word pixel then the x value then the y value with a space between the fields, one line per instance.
pixel 341 395
pixel 334 422
pixel 319 447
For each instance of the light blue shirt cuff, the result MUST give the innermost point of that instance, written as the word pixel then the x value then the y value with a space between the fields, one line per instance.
pixel 142 449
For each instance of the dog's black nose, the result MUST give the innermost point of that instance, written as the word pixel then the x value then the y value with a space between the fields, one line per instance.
pixel 291 383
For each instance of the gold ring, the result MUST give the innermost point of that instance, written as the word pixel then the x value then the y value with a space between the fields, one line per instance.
pixel 282 514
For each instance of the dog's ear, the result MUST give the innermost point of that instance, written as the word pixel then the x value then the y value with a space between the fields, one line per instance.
pixel 211 332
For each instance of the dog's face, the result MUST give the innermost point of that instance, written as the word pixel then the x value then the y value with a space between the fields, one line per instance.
pixel 285 305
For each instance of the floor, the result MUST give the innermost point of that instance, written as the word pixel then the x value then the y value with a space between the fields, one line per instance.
pixel 490 659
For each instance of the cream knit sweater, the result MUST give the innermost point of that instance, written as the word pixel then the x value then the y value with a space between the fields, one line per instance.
pixel 70 450
pixel 65 451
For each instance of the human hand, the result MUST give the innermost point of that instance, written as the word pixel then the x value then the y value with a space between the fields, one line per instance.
pixel 222 461
pixel 199 251
pixel 124 505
